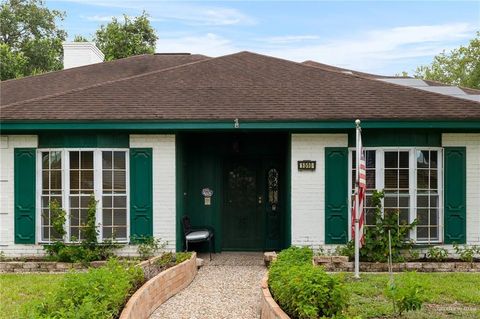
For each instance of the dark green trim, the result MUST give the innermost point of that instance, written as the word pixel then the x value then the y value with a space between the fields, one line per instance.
pixel 24 195
pixel 288 208
pixel 16 126
pixel 336 195
pixel 419 137
pixel 141 193
pixel 455 193
pixel 179 188
pixel 49 140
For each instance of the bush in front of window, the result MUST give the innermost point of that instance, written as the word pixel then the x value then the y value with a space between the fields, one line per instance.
pixel 303 290
pixel 148 246
pixel 90 230
pixel 467 253
pixel 437 253
pixel 376 247
pixel 98 293
pixel 86 251
pixel 58 217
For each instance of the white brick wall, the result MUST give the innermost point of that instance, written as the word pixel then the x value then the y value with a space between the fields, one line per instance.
pixel 472 142
pixel 308 188
pixel 164 213
pixel 7 145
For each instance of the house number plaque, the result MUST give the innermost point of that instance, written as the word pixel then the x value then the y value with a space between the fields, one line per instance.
pixel 307 165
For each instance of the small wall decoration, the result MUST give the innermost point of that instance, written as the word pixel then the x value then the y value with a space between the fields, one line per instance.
pixel 207 193
pixel 307 165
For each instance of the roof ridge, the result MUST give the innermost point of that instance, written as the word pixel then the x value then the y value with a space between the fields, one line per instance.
pixel 75 68
pixel 337 69
pixel 364 77
pixel 105 83
pixel 449 85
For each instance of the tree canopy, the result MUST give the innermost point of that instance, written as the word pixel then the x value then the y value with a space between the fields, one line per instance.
pixel 123 39
pixel 30 40
pixel 80 38
pixel 458 67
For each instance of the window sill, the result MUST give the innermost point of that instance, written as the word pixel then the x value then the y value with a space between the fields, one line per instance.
pixel 73 243
pixel 426 245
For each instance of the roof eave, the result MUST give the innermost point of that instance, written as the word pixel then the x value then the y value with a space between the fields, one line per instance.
pixel 22 126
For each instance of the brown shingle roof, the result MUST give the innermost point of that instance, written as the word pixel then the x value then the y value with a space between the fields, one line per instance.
pixel 376 76
pixel 470 90
pixel 60 81
pixel 347 71
pixel 246 86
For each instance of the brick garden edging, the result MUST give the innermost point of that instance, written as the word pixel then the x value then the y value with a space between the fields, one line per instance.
pixel 269 308
pixel 159 288
pixel 341 263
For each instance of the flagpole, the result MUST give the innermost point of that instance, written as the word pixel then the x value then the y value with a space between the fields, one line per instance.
pixel 357 203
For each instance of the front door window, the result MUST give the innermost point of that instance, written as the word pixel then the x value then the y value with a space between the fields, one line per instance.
pixel 273 188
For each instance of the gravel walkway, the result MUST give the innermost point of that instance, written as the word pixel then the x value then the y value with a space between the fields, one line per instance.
pixel 226 287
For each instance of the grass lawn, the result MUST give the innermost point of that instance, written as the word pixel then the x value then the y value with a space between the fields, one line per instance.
pixel 447 295
pixel 17 289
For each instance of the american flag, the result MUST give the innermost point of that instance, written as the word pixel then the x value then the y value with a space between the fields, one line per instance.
pixel 361 183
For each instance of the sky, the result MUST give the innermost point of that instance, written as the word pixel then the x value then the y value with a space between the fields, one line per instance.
pixel 382 37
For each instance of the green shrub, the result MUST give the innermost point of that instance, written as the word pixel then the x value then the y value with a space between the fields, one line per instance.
pixel 166 260
pixel 346 250
pixel 295 256
pixel 99 293
pixel 169 259
pixel 467 253
pixel 58 217
pixel 182 256
pixel 413 254
pixel 90 230
pixel 82 253
pixel 148 246
pixel 407 295
pixel 86 251
pixel 302 290
pixel 376 247
pixel 437 253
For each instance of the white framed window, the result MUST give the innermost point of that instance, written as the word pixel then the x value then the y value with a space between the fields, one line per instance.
pixel 51 166
pixel 411 178
pixel 114 194
pixel 72 176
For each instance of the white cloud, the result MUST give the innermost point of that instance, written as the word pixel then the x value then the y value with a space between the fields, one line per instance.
pixel 288 39
pixel 202 15
pixel 100 18
pixel 375 50
pixel 187 13
pixel 209 44
pixel 386 51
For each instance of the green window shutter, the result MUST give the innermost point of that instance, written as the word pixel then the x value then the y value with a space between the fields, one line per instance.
pixel 141 192
pixel 336 195
pixel 24 197
pixel 455 203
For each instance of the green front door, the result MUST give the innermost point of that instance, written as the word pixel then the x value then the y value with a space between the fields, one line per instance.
pixel 247 174
pixel 243 218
